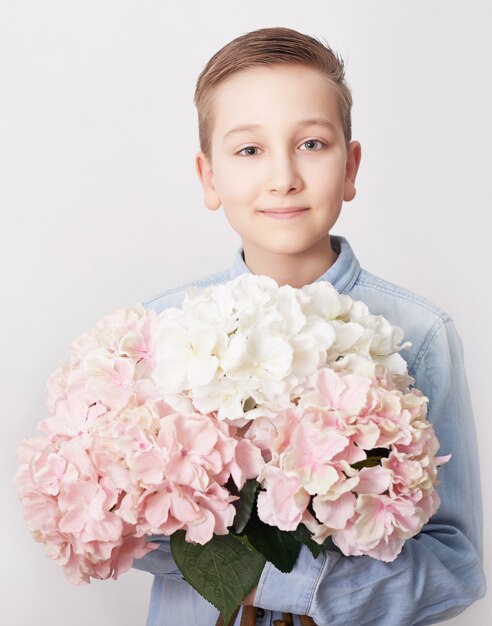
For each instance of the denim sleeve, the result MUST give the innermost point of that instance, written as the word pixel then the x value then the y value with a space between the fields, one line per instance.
pixel 439 571
pixel 160 561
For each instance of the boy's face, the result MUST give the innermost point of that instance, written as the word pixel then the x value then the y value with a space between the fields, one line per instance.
pixel 283 163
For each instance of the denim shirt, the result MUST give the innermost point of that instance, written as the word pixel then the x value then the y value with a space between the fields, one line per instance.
pixel 439 571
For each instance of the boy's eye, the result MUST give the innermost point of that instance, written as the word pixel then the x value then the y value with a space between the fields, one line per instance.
pixel 248 148
pixel 311 141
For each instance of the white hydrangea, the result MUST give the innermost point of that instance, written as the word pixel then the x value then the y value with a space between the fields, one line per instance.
pixel 248 348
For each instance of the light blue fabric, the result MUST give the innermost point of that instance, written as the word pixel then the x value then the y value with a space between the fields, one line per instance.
pixel 439 572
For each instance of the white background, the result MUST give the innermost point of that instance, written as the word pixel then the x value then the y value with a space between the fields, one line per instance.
pixel 101 206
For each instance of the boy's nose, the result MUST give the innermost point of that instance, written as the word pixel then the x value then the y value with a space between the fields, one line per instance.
pixel 284 174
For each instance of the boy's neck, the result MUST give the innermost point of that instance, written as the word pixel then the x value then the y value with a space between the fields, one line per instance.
pixel 295 270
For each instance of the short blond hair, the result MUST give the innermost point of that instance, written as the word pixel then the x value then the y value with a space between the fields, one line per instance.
pixel 264 47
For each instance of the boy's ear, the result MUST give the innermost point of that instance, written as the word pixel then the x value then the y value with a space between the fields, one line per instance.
pixel 354 154
pixel 211 198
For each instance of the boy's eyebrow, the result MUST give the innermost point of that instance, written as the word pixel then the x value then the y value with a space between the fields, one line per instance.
pixel 315 121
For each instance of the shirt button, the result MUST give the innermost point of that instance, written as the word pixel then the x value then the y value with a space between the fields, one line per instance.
pixel 260 613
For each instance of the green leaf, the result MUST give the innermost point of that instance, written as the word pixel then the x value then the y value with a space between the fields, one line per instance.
pixel 374 457
pixel 244 505
pixel 277 546
pixel 304 535
pixel 223 571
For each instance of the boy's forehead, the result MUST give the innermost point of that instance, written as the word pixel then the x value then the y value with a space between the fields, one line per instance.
pixel 274 71
pixel 255 96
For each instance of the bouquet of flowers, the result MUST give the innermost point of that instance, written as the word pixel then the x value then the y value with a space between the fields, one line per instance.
pixel 250 421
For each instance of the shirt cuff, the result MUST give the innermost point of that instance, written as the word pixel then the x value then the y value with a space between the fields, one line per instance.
pixel 292 592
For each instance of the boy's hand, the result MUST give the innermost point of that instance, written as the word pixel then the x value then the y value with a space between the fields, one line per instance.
pixel 250 598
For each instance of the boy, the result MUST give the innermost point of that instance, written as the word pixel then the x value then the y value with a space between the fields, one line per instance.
pixel 276 153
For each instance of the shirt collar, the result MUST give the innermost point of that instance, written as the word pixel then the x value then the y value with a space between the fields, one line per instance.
pixel 342 274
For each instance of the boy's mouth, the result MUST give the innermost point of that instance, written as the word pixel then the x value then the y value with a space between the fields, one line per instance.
pixel 285 213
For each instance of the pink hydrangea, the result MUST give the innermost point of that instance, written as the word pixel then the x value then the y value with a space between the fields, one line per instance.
pixel 318 456
pixel 115 462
